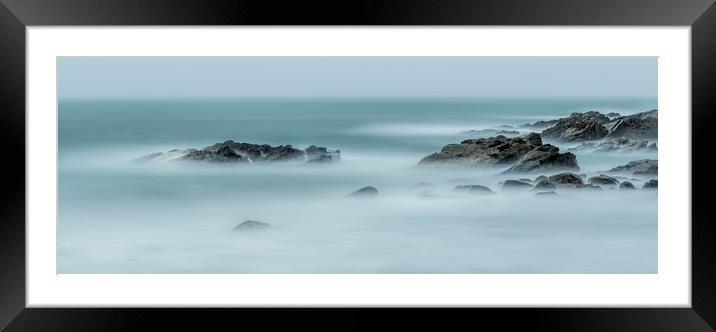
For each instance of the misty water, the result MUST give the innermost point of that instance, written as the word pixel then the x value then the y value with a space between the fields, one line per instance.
pixel 119 217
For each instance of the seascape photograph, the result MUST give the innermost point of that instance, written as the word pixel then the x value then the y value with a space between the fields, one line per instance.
pixel 357 165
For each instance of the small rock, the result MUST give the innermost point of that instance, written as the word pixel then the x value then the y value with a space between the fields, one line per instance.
pixel 603 180
pixel 474 189
pixel 546 193
pixel 626 185
pixel 365 192
pixel 651 184
pixel 566 179
pixel 250 225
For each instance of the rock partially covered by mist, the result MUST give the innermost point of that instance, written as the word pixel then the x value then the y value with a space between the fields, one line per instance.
pixel 491 132
pixel 642 125
pixel 368 191
pixel 221 155
pixel 545 158
pixel 578 127
pixel 251 225
pixel 516 185
pixel 539 125
pixel 651 184
pixel 485 151
pixel 474 189
pixel 545 194
pixel 234 152
pixel 566 179
pixel 639 167
pixel 321 154
pixel 603 180
pixel 627 185
pixel 616 145
pixel 613 115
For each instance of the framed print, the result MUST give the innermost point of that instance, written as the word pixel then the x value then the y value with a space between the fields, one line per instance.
pixel 224 157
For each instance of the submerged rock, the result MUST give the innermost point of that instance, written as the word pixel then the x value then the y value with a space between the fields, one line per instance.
pixel 603 180
pixel 368 191
pixel 651 184
pixel 485 151
pixel 545 158
pixel 626 185
pixel 250 225
pixel 546 193
pixel 516 185
pixel 221 155
pixel 474 189
pixel 639 167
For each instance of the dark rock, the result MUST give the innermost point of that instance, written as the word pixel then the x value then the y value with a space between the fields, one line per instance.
pixel 526 180
pixel 231 151
pixel 578 127
pixel 515 185
pixel 485 151
pixel 546 193
pixel 368 191
pixel 603 180
pixel 651 184
pixel 251 225
pixel 545 158
pixel 220 155
pixel 626 185
pixel 639 167
pixel 641 125
pixel 566 179
pixel 474 189
pixel 612 115
pixel 544 185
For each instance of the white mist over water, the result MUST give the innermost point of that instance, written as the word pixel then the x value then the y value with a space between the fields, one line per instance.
pixel 116 217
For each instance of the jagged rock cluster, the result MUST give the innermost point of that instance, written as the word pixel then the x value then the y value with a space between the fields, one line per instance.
pixel 526 153
pixel 234 152
pixel 591 126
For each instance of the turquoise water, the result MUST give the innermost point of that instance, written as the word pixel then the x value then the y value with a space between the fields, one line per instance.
pixel 116 217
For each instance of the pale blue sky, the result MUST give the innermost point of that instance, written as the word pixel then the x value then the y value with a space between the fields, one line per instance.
pixel 238 77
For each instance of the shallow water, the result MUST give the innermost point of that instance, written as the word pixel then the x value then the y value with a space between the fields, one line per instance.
pixel 116 217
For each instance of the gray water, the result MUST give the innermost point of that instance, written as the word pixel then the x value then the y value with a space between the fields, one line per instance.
pixel 117 217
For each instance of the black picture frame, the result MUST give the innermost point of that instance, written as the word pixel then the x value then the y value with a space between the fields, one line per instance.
pixel 16 15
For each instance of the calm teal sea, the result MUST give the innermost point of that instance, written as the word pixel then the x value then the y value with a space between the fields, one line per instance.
pixel 116 217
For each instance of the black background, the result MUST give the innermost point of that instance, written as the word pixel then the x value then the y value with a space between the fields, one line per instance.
pixel 15 15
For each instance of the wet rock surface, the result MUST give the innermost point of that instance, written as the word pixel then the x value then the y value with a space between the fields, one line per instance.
pixel 515 185
pixel 491 151
pixel 603 180
pixel 651 184
pixel 545 158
